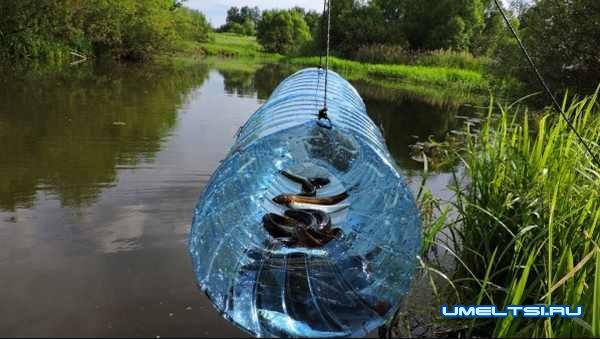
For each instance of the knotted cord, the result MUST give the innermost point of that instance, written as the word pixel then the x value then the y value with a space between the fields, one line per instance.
pixel 323 112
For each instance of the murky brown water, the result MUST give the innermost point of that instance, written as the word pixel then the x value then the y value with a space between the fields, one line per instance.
pixel 100 169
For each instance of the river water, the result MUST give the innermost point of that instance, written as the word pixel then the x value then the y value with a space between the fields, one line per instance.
pixel 100 169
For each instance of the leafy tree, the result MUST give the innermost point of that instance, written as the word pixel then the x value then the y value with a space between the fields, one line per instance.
pixel 313 20
pixel 562 36
pixel 241 20
pixel 191 24
pixel 124 29
pixel 355 24
pixel 493 33
pixel 37 29
pixel 282 31
pixel 442 24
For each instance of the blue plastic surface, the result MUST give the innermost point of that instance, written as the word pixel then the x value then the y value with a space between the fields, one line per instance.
pixel 351 285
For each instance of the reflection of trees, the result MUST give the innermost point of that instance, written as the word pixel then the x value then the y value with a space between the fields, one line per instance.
pixel 250 81
pixel 404 118
pixel 402 111
pixel 239 82
pixel 268 77
pixel 68 131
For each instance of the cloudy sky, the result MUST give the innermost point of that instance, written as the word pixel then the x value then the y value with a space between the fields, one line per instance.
pixel 216 10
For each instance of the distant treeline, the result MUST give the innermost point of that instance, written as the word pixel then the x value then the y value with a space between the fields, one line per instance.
pixel 123 29
pixel 561 34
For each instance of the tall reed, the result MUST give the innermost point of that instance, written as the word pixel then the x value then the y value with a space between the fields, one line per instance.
pixel 529 219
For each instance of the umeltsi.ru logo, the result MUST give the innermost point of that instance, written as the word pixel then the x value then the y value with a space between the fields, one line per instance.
pixel 516 311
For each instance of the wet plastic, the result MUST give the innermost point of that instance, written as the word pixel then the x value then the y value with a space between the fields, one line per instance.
pixel 347 287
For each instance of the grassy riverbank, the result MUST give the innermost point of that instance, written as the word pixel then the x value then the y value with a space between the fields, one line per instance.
pixel 434 75
pixel 438 76
pixel 235 45
pixel 526 230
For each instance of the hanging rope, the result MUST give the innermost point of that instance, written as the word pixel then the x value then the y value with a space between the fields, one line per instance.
pixel 323 119
pixel 540 78
pixel 321 51
pixel 322 34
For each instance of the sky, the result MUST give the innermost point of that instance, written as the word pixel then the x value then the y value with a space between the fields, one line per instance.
pixel 216 10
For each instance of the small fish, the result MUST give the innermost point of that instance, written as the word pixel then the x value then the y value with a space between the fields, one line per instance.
pixel 307 239
pixel 325 204
pixel 309 185
pixel 323 220
pixel 330 234
pixel 316 236
pixel 279 226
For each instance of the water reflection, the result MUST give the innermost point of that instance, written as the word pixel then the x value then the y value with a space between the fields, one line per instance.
pixel 404 118
pixel 254 80
pixel 67 132
pixel 100 169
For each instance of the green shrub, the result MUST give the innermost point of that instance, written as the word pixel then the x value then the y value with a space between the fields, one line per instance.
pixel 452 59
pixel 282 31
pixel 383 54
pixel 124 29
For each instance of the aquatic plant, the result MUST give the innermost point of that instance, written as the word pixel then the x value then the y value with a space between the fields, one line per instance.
pixel 527 216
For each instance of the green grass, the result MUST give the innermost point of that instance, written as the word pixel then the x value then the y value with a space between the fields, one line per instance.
pixel 528 221
pixel 443 77
pixel 437 76
pixel 438 96
pixel 235 45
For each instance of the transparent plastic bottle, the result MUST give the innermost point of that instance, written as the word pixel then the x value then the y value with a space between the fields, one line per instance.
pixel 346 287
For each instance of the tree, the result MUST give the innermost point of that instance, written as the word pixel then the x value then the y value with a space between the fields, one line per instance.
pixel 493 33
pixel 434 24
pixel 355 24
pixel 313 20
pixel 123 29
pixel 191 24
pixel 562 36
pixel 241 20
pixel 282 31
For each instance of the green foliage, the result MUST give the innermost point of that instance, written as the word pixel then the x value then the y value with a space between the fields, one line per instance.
pixel 526 230
pixel 424 75
pixel 453 59
pixel 394 54
pixel 235 45
pixel 282 31
pixel 38 29
pixel 355 24
pixel 123 29
pixel 191 25
pixel 383 54
pixel 493 34
pixel 517 180
pixel 313 20
pixel 562 37
pixel 464 25
pixel 241 20
pixel 434 24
